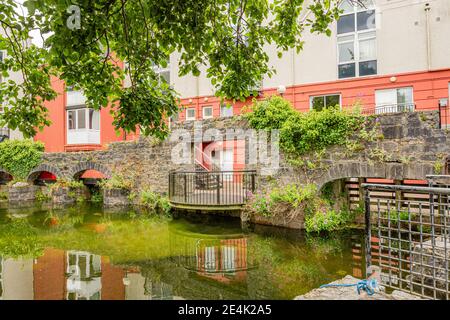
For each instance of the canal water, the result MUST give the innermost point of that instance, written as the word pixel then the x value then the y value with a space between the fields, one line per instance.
pixel 86 252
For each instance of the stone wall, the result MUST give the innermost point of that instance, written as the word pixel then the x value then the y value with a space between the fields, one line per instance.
pixel 412 147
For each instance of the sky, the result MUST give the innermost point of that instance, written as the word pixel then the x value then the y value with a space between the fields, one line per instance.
pixel 35 34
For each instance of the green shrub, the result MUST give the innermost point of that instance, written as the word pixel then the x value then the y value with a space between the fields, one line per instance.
pixel 42 196
pixel 292 195
pixel 325 220
pixel 117 181
pixel 155 202
pixel 302 132
pixel 3 195
pixel 71 184
pixel 97 196
pixel 270 113
pixel 316 130
pixel 19 157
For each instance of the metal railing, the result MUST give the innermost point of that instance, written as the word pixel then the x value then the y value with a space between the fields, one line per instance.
pixel 410 239
pixel 215 188
pixel 386 108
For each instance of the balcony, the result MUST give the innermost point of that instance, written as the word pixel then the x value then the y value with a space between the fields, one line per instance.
pixel 75 98
pixel 83 136
pixel 213 190
pixel 387 108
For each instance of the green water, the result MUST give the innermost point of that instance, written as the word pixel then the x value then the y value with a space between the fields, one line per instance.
pixel 86 252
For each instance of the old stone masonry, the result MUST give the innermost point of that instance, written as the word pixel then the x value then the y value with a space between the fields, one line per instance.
pixel 413 146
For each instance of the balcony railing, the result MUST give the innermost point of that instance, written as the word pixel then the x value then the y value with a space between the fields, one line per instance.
pixel 214 188
pixel 371 109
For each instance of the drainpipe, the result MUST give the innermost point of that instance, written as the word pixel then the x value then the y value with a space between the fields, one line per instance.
pixel 427 15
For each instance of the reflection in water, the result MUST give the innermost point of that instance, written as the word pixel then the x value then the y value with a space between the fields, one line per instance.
pixel 224 258
pixel 97 256
pixel 84 272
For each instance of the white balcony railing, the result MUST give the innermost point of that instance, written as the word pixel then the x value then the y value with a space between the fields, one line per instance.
pixel 83 136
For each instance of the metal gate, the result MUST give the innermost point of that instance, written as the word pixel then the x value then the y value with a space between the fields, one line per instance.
pixel 409 239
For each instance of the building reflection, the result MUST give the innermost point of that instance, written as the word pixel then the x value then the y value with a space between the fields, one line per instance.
pixel 223 258
pixel 84 276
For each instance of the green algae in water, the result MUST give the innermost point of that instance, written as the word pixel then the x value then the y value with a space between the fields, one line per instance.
pixel 85 252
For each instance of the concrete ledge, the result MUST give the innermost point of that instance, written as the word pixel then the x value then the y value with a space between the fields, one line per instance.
pixel 350 293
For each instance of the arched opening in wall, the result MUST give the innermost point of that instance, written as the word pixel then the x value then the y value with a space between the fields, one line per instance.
pixel 5 178
pixel 447 165
pixel 91 179
pixel 42 178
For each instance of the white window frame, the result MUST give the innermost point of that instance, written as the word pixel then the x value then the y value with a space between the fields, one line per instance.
pixel 380 107
pixel 82 135
pixel 187 114
pixel 356 41
pixel 323 96
pixel 207 108
pixel 86 119
pixel 159 71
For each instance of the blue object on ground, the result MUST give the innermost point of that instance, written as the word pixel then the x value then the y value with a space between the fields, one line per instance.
pixel 368 286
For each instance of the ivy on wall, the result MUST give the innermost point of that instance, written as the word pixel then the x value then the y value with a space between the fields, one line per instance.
pixel 19 157
pixel 302 132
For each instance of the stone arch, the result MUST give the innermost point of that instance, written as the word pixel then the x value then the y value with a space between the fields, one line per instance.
pixel 81 167
pixel 34 174
pixel 5 175
pixel 394 171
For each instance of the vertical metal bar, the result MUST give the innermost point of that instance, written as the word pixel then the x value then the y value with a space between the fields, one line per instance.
pixel 410 250
pixel 185 187
pixel 433 242
pixel 368 228
pixel 218 188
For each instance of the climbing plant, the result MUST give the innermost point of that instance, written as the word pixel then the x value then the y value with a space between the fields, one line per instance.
pixel 19 157
pixel 303 132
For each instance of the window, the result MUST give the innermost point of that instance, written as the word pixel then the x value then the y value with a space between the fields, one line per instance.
pixel 163 72
pixel 190 114
pixel 83 126
pixel 357 51
pixel 320 102
pixel 83 118
pixel 394 100
pixel 207 112
pixel 226 110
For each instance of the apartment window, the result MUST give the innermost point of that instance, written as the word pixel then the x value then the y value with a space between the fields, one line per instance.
pixel 226 110
pixel 83 118
pixel 394 100
pixel 319 103
pixel 163 72
pixel 356 40
pixel 190 114
pixel 207 112
pixel 83 126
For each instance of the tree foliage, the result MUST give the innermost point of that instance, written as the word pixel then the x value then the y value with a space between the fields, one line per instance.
pixel 226 39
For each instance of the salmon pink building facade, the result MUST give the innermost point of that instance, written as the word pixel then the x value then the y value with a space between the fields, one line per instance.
pixel 383 56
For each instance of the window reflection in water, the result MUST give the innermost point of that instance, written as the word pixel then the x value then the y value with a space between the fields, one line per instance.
pixel 223 258
pixel 83 275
